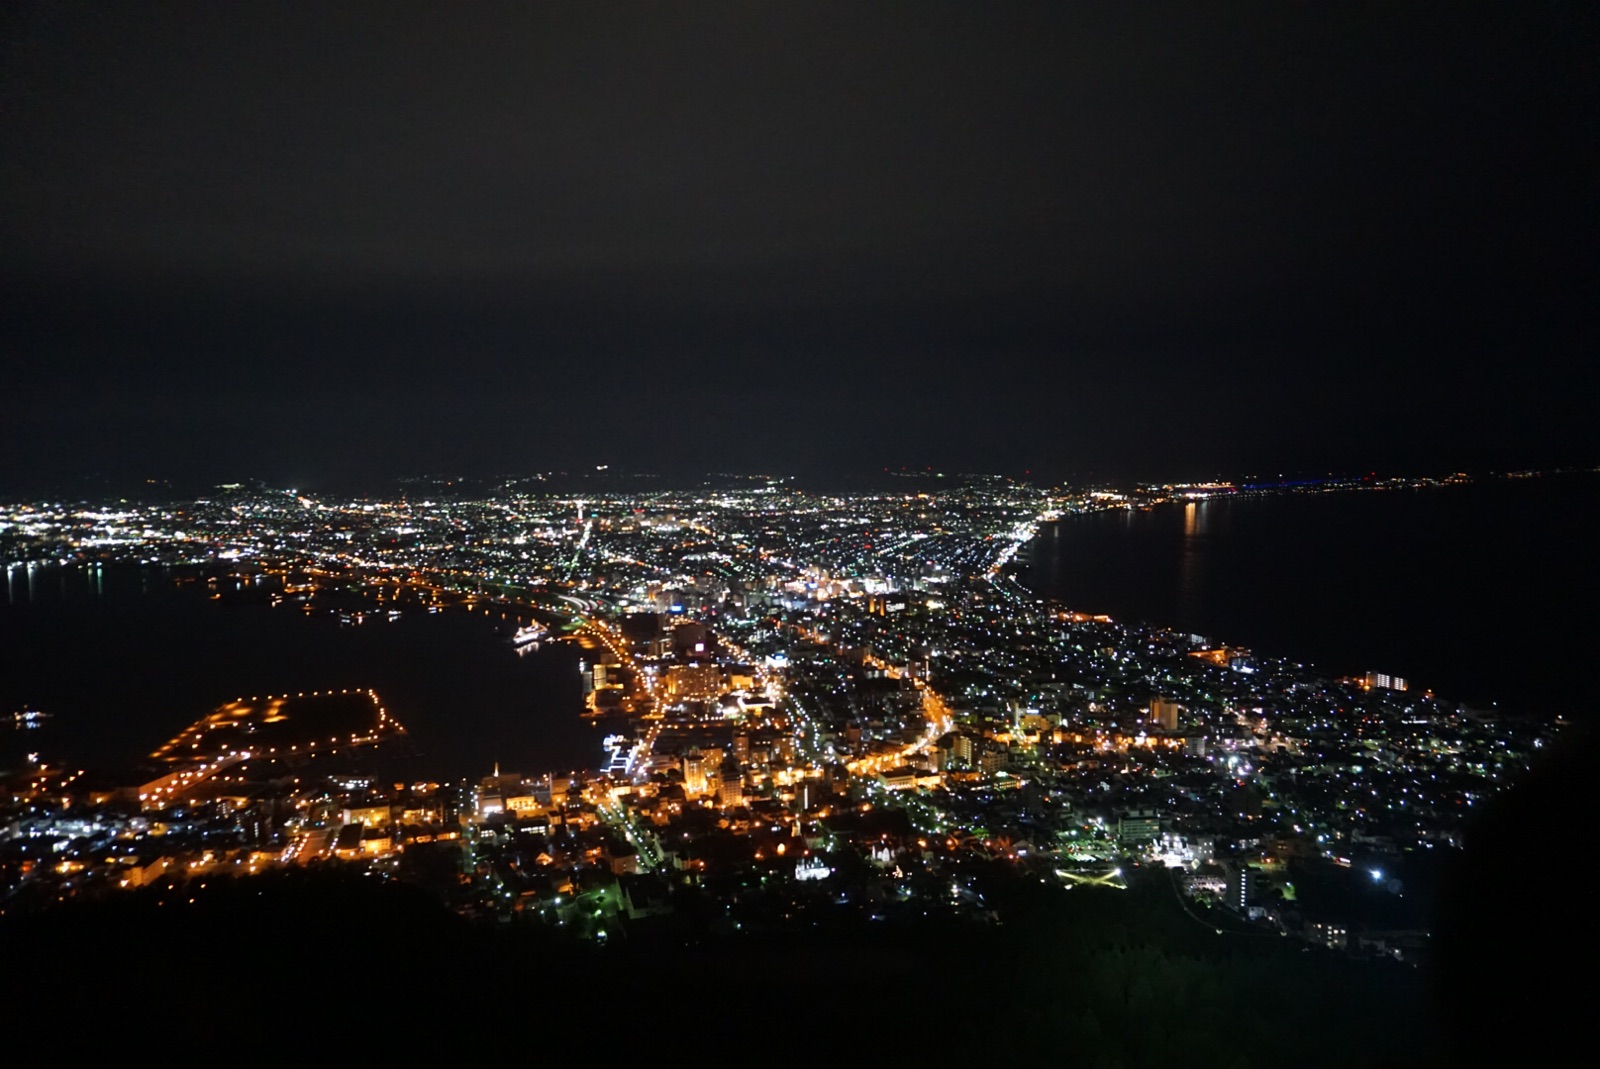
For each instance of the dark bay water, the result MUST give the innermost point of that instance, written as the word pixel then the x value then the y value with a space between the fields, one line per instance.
pixel 122 658
pixel 1486 593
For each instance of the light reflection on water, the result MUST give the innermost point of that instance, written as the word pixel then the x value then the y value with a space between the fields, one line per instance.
pixel 1409 582
pixel 122 658
pixel 1192 566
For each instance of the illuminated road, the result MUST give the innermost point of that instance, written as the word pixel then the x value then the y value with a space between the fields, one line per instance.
pixel 316 843
pixel 171 787
pixel 640 691
pixel 651 856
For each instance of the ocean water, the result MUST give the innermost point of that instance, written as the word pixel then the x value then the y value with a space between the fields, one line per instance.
pixel 1485 593
pixel 122 658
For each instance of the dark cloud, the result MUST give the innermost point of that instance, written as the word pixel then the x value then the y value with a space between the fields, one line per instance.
pixel 1022 236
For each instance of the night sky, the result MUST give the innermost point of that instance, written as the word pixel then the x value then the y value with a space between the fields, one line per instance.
pixel 309 243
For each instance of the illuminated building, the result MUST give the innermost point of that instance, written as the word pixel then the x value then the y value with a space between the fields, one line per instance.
pixel 731 790
pixel 1332 936
pixel 523 805
pixel 1243 888
pixel 694 773
pixel 694 682
pixel 1138 825
pixel 369 816
pixel 1165 713
pixel 691 640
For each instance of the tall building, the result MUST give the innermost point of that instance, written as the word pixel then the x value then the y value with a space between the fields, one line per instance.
pixel 1165 713
pixel 1384 681
pixel 731 791
pixel 1138 826
pixel 1243 890
pixel 694 773
pixel 992 759
pixel 694 682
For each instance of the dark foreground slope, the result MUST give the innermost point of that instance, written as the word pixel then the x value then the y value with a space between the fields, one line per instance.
pixel 1083 977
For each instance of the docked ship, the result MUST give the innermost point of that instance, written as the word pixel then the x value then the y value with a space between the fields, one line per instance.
pixel 530 633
